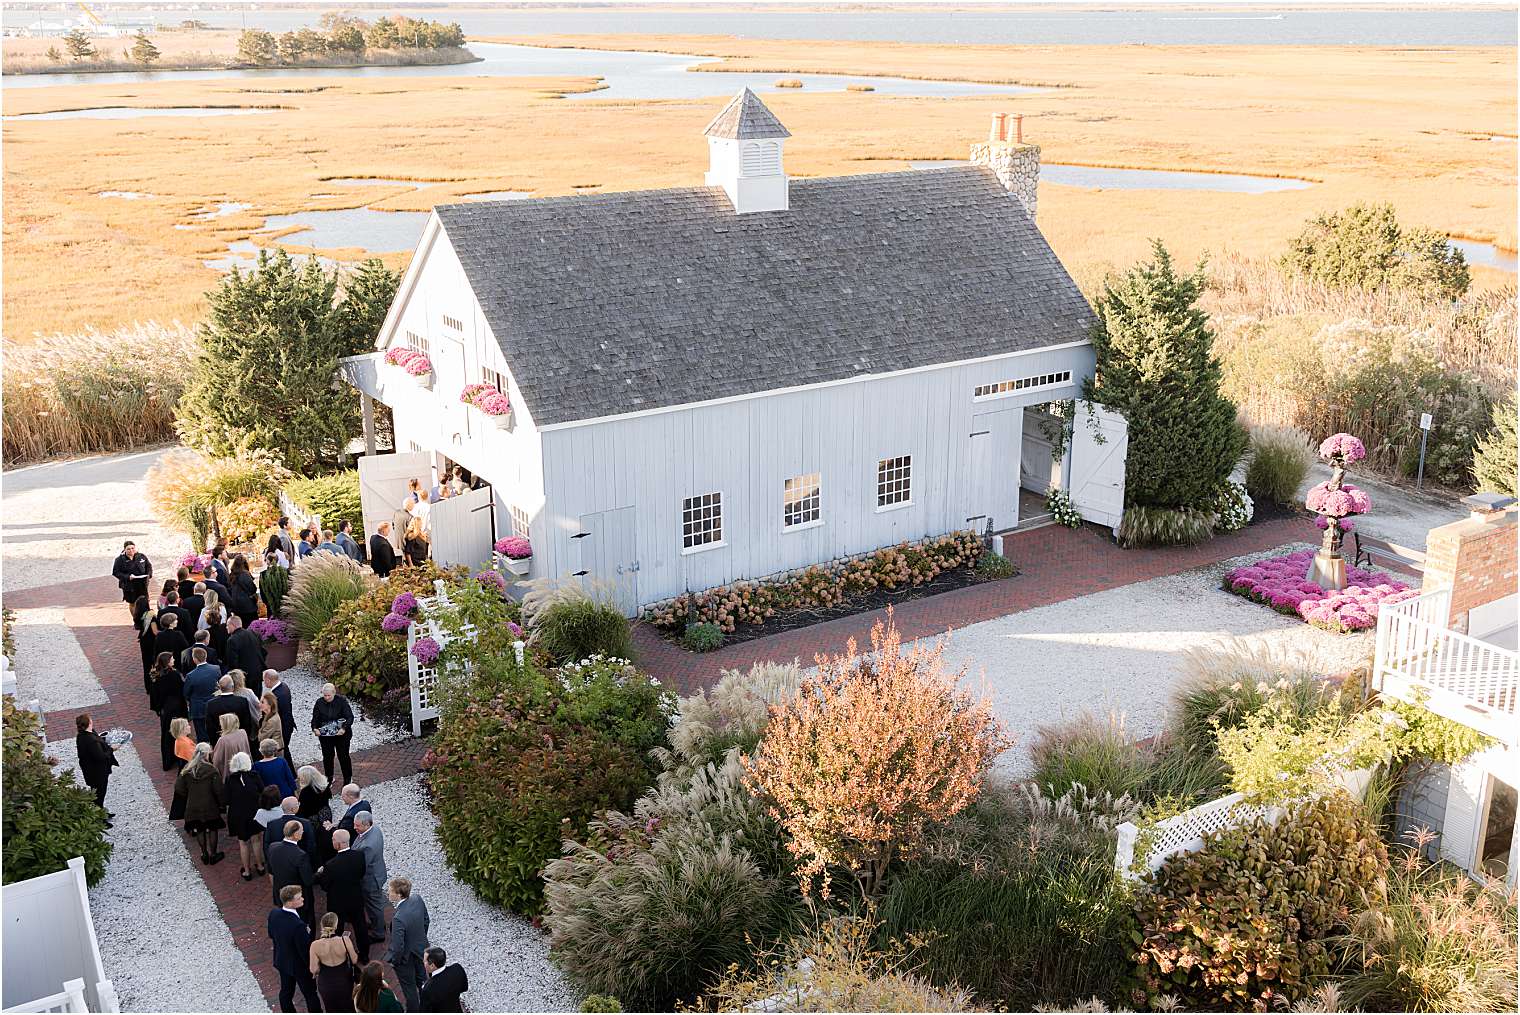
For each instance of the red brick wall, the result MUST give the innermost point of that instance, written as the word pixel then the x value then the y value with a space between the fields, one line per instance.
pixel 1476 559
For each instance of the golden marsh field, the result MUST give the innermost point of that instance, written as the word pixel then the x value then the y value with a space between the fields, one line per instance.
pixel 1414 127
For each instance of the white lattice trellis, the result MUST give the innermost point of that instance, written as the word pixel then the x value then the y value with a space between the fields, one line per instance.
pixel 424 679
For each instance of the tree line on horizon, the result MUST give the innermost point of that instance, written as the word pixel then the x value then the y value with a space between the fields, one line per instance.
pixel 341 34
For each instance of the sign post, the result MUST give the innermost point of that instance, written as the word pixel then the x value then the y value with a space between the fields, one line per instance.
pixel 1419 480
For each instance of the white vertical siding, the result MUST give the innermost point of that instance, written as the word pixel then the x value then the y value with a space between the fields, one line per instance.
pixel 747 448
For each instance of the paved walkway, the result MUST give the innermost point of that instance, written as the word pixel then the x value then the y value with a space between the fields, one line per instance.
pixel 1056 564
pixel 94 612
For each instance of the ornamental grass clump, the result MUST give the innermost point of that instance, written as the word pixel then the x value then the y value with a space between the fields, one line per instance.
pixel 187 490
pixel 322 583
pixel 1280 460
pixel 566 624
pixel 870 752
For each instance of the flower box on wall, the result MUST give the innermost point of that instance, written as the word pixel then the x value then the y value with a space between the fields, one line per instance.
pixel 514 554
pixel 490 403
pixel 414 363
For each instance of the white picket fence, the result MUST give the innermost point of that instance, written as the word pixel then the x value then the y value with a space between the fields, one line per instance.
pixel 50 944
pixel 1185 832
pixel 299 515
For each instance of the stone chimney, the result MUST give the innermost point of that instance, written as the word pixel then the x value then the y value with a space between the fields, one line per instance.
pixel 1016 163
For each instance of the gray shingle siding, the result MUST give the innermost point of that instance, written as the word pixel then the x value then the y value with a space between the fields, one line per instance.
pixel 618 303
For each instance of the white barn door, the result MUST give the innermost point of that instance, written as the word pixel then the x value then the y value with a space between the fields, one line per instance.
pixel 1099 446
pixel 993 466
pixel 608 547
pixel 462 528
pixel 382 488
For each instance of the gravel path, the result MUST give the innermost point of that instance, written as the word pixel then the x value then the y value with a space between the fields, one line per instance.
pixel 508 961
pixel 305 688
pixel 51 667
pixel 66 520
pixel 1120 651
pixel 162 938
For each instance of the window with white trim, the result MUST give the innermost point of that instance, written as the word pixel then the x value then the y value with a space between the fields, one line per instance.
pixel 1030 383
pixel 519 521
pixel 894 481
pixel 494 378
pixel 801 501
pixel 453 322
pixel 701 521
pixel 418 342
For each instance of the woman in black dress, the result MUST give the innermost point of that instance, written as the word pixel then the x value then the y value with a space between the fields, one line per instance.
pixel 142 620
pixel 244 593
pixel 333 961
pixel 415 546
pixel 166 694
pixel 242 791
pixel 169 637
pixel 315 804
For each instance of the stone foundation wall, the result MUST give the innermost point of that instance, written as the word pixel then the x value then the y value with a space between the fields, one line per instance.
pixel 1017 165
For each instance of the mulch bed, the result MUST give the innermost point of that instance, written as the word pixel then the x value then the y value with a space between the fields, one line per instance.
pixel 946 581
pixel 1270 511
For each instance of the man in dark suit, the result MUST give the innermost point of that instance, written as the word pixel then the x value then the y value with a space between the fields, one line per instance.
pixel 409 939
pixel 346 542
pixel 225 701
pixel 275 830
pixel 186 624
pixel 96 759
pixel 245 650
pixel 290 866
pixel 219 586
pixel 202 640
pixel 353 803
pixel 446 982
pixel 200 685
pixel 382 555
pixel 342 878
pixel 220 570
pixel 275 686
pixel 132 570
pixel 194 603
pixel 292 949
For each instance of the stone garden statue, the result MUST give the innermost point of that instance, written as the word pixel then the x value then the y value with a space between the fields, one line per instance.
pixel 1335 502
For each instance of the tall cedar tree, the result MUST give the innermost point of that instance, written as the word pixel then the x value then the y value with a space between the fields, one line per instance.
pixel 1156 366
pixel 143 51
pixel 1494 462
pixel 264 374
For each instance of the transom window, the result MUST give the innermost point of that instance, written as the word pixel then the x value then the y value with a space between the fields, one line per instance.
pixel 801 501
pixel 1049 380
pixel 418 342
pixel 894 481
pixel 494 378
pixel 519 521
pixel 453 322
pixel 701 520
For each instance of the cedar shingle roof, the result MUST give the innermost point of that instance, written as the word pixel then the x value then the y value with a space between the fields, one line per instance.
pixel 746 118
pixel 616 303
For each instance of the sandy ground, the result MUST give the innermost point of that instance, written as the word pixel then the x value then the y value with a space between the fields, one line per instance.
pixel 1120 652
pixel 63 521
pixel 162 939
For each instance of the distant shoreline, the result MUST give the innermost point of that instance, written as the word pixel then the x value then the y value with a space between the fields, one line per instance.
pixel 423 58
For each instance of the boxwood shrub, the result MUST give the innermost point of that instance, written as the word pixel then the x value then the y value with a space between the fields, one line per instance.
pixel 48 819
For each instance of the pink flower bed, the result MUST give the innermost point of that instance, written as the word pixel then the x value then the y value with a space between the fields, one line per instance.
pixel 1280 582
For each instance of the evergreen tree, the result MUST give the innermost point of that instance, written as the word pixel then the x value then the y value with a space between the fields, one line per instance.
pixel 257 47
pixel 1365 247
pixel 78 43
pixel 264 374
pixel 1495 464
pixel 1156 366
pixel 54 55
pixel 143 51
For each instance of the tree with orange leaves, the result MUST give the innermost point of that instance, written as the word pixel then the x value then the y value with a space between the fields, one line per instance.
pixel 868 753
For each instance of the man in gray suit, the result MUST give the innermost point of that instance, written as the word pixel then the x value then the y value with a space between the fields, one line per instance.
pixel 409 940
pixel 369 843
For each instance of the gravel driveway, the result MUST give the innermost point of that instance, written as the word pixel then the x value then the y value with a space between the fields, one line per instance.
pixel 1120 651
pixel 51 668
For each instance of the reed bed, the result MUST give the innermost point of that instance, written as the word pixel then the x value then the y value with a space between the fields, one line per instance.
pixel 94 391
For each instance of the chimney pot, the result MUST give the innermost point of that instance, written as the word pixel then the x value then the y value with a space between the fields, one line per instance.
pixel 999 127
pixel 1018 126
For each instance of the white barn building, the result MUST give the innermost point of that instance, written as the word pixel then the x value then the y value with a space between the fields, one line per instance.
pixel 728 381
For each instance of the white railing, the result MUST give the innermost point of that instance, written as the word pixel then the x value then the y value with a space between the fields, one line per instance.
pixel 299 515
pixel 50 943
pixel 1460 677
pixel 424 679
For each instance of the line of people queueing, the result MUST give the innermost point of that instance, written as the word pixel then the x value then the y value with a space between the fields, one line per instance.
pixel 282 817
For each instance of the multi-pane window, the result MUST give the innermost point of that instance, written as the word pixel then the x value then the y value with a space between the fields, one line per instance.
pixel 894 481
pixel 1049 380
pixel 701 520
pixel 418 342
pixel 494 378
pixel 800 501
pixel 519 522
pixel 453 322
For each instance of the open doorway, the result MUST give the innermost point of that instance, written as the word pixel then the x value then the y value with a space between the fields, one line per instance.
pixel 1496 833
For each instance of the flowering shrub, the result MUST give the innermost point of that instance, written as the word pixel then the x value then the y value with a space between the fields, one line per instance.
pixel 196 561
pixel 1058 503
pixel 411 360
pixel 426 650
pixel 1276 756
pixel 1232 506
pixel 1348 500
pixel 405 604
pixel 1281 583
pixel 1342 449
pixel 272 630
pixel 486 398
pixel 824 585
pixel 247 518
pixel 1345 524
pixel 493 579
pixel 515 547
pixel 395 623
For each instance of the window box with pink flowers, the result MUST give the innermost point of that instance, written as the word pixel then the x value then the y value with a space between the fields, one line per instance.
pixel 414 363
pixel 492 403
pixel 515 554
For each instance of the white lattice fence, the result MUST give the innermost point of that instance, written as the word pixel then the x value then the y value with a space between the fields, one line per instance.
pixel 424 679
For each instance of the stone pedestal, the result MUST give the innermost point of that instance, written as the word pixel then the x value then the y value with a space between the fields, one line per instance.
pixel 1328 572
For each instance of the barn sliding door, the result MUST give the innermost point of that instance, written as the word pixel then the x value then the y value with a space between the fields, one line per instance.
pixel 382 488
pixel 1099 447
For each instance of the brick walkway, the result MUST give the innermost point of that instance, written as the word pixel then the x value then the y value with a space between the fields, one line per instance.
pixel 1056 564
pixel 99 620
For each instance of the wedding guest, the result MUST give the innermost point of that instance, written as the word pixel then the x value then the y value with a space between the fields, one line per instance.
pixel 332 720
pixel 132 571
pixel 200 788
pixel 242 790
pixel 167 698
pixel 96 759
